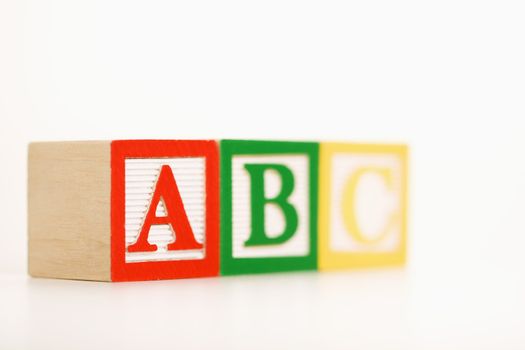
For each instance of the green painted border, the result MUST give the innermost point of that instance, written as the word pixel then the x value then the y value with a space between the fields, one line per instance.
pixel 235 266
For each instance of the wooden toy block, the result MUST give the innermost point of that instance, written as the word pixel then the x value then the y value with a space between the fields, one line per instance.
pixel 362 205
pixel 123 210
pixel 268 206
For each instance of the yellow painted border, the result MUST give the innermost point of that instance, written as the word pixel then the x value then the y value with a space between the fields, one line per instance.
pixel 329 259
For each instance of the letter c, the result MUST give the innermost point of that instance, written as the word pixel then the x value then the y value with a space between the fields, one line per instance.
pixel 349 210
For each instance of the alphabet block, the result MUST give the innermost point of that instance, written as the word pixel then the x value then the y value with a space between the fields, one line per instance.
pixel 124 210
pixel 363 205
pixel 268 206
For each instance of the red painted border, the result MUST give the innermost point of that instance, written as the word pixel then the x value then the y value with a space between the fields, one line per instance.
pixel 156 270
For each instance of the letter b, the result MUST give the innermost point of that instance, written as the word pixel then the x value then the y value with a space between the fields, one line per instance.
pixel 258 235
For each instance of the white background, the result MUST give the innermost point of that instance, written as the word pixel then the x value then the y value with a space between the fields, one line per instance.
pixel 447 77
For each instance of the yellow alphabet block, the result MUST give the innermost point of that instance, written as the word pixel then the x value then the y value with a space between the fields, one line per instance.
pixel 362 205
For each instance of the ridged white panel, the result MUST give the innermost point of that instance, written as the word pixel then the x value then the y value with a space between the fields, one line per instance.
pixel 299 244
pixel 141 176
pixel 374 202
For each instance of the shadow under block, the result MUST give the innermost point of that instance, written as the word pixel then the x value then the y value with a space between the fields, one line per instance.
pixel 268 206
pixel 123 210
pixel 363 205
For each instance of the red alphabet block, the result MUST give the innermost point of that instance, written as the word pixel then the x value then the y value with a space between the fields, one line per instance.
pixel 129 210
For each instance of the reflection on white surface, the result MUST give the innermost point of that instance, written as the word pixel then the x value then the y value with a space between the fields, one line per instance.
pixel 361 309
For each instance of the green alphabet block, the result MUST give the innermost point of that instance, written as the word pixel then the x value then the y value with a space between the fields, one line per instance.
pixel 268 206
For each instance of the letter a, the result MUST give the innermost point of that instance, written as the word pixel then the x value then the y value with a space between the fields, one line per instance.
pixel 166 190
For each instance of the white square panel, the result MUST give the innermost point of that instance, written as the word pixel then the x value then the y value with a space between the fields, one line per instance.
pixel 374 201
pixel 141 176
pixel 299 244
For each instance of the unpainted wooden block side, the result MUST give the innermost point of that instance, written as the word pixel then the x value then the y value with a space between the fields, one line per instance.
pixel 69 210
